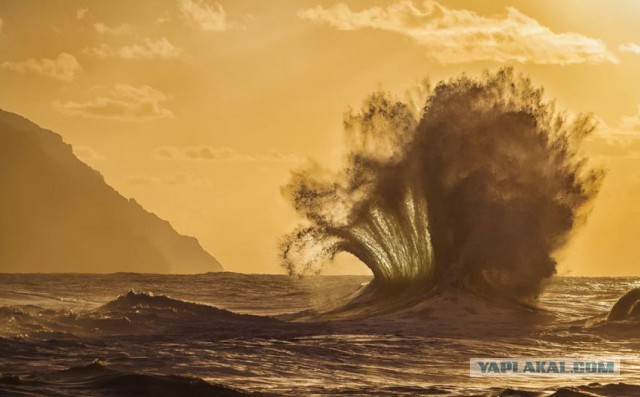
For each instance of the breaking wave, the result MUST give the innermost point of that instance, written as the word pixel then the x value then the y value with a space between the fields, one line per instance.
pixel 475 190
pixel 627 307
pixel 133 313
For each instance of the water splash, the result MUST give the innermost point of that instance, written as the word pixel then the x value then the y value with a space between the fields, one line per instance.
pixel 477 190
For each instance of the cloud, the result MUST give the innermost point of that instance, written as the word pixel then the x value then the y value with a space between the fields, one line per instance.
pixel 195 153
pixel 457 36
pixel 631 123
pixel 621 142
pixel 611 144
pixel 274 155
pixel 142 180
pixel 631 48
pixel 87 153
pixel 204 16
pixel 123 102
pixel 207 153
pixel 180 178
pixel 148 49
pixel 81 13
pixel 64 68
pixel 163 18
pixel 115 30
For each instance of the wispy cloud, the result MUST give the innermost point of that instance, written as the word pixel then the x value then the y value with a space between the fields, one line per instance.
pixel 81 13
pixel 631 123
pixel 147 49
pixel 87 153
pixel 456 35
pixel 123 102
pixel 163 18
pixel 64 68
pixel 207 153
pixel 205 16
pixel 631 48
pixel 613 144
pixel 114 30
pixel 180 178
pixel 621 141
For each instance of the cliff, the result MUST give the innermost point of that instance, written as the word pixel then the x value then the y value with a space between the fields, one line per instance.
pixel 59 215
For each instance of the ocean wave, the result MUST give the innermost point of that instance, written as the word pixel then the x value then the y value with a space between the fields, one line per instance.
pixel 99 379
pixel 620 322
pixel 137 303
pixel 475 189
pixel 420 349
pixel 133 313
pixel 599 390
pixel 453 311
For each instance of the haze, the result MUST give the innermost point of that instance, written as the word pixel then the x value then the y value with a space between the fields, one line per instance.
pixel 199 109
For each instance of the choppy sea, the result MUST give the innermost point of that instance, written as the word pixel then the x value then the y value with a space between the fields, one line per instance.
pixel 228 334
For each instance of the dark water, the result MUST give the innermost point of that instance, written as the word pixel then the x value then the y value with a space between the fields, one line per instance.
pixel 228 334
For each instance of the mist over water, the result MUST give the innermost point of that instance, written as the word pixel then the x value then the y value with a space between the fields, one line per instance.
pixel 475 190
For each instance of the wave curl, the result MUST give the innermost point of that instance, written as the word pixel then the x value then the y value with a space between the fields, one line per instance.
pixel 476 190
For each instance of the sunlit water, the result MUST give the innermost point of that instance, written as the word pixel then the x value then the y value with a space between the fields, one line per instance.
pixel 71 335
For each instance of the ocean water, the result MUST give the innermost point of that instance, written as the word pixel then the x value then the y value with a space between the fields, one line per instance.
pixel 227 334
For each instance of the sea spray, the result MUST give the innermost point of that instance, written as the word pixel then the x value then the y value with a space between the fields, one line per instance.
pixel 476 191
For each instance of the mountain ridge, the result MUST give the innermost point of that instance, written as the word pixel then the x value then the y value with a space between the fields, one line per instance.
pixel 57 214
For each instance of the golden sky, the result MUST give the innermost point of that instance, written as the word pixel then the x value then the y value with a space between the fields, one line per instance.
pixel 199 109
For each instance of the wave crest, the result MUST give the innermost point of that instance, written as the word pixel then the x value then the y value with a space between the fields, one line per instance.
pixel 627 307
pixel 476 191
